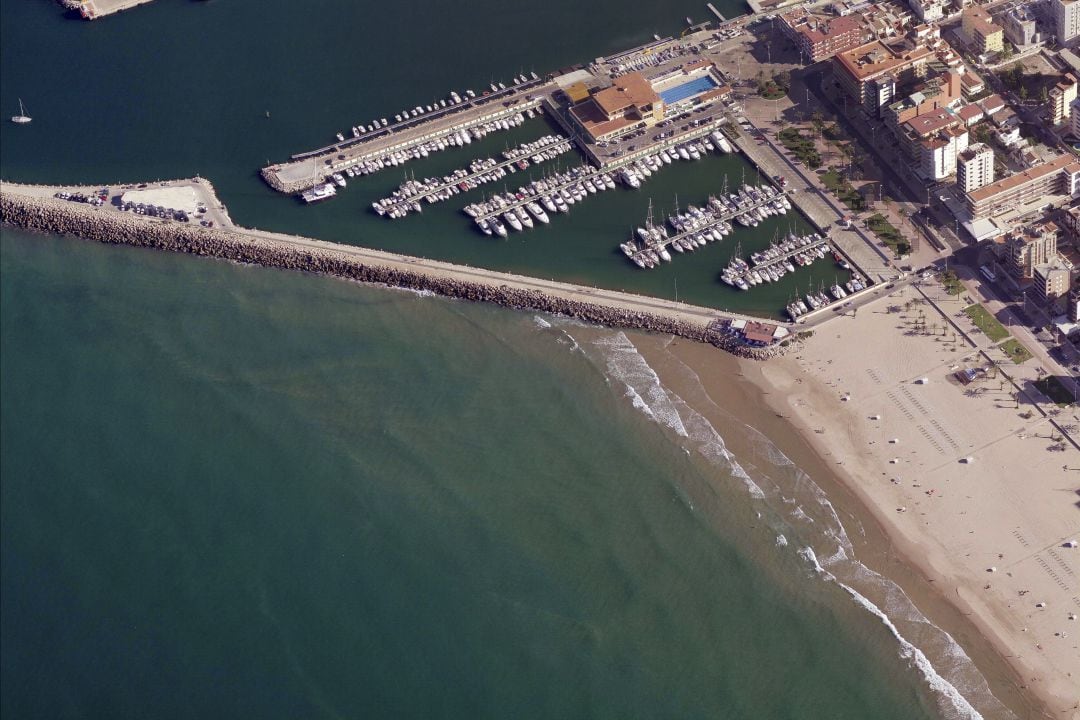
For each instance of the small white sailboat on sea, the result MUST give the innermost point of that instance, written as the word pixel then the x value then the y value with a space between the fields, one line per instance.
pixel 22 118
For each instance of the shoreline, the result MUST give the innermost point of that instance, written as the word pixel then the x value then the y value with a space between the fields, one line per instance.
pixel 877 546
pixel 1022 649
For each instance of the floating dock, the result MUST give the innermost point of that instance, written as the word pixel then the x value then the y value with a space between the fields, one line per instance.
pixel 407 197
pixel 714 11
pixel 646 253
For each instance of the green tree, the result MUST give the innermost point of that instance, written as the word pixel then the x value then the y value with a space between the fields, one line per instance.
pixel 1043 94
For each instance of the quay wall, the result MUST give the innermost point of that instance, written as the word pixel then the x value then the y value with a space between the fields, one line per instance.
pixel 60 217
pixel 358 151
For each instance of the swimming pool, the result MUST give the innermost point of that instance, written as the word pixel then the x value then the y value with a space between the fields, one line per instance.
pixel 687 89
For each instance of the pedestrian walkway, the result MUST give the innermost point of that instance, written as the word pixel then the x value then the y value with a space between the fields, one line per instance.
pixel 815 202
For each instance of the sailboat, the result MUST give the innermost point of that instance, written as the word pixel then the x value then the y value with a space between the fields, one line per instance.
pixel 22 118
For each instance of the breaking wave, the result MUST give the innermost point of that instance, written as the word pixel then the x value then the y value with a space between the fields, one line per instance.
pixel 802 510
pixel 626 365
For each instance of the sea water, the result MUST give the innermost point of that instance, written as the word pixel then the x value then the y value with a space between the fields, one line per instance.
pixel 229 491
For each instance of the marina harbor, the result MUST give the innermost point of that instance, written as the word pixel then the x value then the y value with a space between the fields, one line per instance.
pixel 560 191
pixel 629 115
pixel 407 197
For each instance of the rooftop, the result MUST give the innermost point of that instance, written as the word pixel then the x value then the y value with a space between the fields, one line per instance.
pixel 1023 178
pixel 931 122
pixel 819 28
pixel 980 20
pixel 969 113
pixel 971 79
pixel 596 121
pixel 876 57
pixel 992 103
pixel 972 151
pixel 629 90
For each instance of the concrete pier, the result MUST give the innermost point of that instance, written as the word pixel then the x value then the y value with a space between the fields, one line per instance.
pixel 472 179
pixel 311 168
pixel 94 9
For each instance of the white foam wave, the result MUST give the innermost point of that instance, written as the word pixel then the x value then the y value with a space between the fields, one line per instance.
pixel 628 366
pixel 412 291
pixel 799 514
pixel 711 445
pixel 574 347
pixel 541 322
pixel 807 553
pixel 839 556
pixel 959 705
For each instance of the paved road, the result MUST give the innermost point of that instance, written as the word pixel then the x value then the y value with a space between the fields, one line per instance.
pixel 1003 309
pixel 814 200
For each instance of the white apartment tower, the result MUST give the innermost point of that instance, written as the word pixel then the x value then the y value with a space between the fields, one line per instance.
pixel 1066 15
pixel 975 167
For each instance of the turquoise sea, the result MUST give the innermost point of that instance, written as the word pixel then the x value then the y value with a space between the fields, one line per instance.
pixel 227 491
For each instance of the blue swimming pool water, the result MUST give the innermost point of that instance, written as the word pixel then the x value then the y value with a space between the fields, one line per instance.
pixel 687 89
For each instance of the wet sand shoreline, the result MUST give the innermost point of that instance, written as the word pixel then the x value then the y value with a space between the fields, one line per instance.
pixel 765 405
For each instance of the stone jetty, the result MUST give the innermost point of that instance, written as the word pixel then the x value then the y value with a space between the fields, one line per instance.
pixel 46 214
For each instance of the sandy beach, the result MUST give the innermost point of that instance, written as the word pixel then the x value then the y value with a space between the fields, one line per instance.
pixel 973 494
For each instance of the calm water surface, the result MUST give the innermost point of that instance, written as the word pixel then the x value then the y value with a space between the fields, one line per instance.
pixel 232 492
pixel 179 88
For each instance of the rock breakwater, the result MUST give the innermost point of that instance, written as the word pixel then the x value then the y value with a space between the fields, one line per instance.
pixel 106 225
